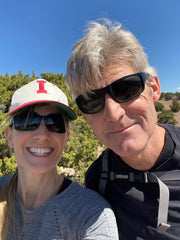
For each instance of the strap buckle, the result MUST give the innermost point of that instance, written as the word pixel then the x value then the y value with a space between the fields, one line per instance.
pixel 131 176
pixel 163 227
pixel 138 177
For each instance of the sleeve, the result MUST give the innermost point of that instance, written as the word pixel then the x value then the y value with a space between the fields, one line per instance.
pixel 100 221
pixel 104 228
pixel 102 225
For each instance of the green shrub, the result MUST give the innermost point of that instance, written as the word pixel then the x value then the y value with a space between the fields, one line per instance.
pixel 168 96
pixel 175 106
pixel 166 116
pixel 159 106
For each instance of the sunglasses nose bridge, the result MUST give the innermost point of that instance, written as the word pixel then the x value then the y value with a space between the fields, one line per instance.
pixel 111 92
pixel 42 118
pixel 42 130
pixel 107 90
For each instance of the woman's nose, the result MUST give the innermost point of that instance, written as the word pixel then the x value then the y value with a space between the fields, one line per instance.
pixel 42 132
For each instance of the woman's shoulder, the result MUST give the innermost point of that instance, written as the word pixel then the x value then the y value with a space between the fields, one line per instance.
pixel 3 180
pixel 83 196
pixel 85 209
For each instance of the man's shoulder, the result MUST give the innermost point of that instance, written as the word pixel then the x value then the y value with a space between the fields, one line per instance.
pixel 96 165
pixel 93 173
pixel 171 128
pixel 107 153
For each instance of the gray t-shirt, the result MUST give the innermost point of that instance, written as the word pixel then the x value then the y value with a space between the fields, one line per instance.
pixel 74 214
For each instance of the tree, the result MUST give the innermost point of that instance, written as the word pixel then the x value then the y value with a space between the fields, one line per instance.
pixel 178 95
pixel 81 149
pixel 162 95
pixel 167 117
pixel 159 106
pixel 168 96
pixel 175 106
pixel 8 166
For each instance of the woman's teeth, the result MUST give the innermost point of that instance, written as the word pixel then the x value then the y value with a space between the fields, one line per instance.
pixel 40 151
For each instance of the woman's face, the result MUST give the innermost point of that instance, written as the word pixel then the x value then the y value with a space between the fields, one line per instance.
pixel 39 150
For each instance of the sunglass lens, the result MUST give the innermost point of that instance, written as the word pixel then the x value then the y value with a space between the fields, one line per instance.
pixel 25 121
pixel 127 88
pixel 55 123
pixel 124 89
pixel 93 104
pixel 19 123
pixel 33 122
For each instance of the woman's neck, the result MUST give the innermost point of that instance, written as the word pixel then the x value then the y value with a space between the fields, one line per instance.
pixel 36 189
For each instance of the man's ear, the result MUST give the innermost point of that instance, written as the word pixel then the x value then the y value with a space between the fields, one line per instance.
pixel 9 136
pixel 155 88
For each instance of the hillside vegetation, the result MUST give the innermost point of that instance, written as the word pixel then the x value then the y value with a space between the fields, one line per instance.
pixel 168 108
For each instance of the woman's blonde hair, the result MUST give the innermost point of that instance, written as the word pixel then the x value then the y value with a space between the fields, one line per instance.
pixel 7 206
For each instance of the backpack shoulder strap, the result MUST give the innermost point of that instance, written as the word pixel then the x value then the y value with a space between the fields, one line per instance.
pixel 160 177
pixel 104 174
pixel 172 175
pixel 162 224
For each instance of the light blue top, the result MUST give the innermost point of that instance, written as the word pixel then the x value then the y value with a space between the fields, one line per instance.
pixel 74 214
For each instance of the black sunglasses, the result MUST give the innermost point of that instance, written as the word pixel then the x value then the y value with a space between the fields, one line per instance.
pixel 26 121
pixel 122 90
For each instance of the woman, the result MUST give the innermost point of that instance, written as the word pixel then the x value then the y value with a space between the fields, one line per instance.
pixel 37 202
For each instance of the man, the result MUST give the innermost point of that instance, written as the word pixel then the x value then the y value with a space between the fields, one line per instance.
pixel 115 88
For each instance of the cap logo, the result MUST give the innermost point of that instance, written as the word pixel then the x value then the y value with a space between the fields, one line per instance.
pixel 41 86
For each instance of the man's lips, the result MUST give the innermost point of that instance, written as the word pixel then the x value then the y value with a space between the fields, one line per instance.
pixel 120 129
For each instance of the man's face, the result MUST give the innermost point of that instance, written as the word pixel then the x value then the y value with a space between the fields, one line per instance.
pixel 128 128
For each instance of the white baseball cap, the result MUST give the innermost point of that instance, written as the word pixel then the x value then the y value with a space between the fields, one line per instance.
pixel 41 91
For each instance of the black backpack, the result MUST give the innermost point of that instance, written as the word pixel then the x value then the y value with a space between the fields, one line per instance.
pixel 146 177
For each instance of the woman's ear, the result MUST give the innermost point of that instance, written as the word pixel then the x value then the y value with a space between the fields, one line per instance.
pixel 67 138
pixel 9 136
pixel 155 88
pixel 68 135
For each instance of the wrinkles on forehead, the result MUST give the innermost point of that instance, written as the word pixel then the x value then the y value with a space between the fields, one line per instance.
pixel 113 73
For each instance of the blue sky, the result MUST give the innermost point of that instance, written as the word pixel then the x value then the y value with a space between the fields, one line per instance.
pixel 39 34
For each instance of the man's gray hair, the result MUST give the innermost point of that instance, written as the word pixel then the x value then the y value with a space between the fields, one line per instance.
pixel 105 43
